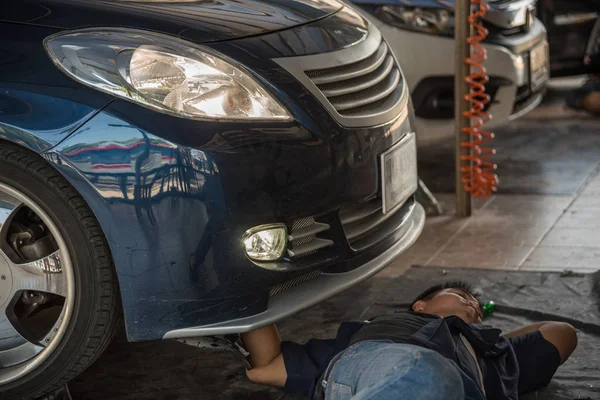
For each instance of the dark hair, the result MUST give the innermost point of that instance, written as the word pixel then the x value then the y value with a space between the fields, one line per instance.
pixel 430 292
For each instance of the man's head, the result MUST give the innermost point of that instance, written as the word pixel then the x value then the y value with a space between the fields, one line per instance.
pixel 450 298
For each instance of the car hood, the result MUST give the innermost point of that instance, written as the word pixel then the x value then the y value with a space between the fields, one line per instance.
pixel 416 3
pixel 420 3
pixel 198 20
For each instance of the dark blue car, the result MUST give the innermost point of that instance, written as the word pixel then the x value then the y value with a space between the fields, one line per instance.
pixel 193 168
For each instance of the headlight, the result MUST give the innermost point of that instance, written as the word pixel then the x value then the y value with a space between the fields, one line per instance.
pixel 437 21
pixel 163 73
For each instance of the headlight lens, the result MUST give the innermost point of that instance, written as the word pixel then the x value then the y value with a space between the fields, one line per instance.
pixel 437 21
pixel 163 73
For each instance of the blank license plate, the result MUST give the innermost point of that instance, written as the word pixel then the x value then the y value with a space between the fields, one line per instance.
pixel 399 173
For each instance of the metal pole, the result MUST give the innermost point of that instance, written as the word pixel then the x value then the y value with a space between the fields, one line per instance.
pixel 462 31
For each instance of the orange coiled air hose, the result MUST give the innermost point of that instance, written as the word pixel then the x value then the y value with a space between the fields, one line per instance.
pixel 479 177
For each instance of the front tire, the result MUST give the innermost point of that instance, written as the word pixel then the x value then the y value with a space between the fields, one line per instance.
pixel 59 298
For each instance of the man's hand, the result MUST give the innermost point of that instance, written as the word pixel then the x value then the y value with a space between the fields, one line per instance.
pixel 264 346
pixel 273 374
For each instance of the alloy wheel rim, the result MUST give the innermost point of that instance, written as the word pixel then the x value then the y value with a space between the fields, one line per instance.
pixel 21 352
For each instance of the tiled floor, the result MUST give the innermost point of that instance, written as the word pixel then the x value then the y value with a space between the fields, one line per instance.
pixel 533 232
pixel 518 231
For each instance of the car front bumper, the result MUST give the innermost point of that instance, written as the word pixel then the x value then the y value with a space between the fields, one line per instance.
pixel 308 293
pixel 174 216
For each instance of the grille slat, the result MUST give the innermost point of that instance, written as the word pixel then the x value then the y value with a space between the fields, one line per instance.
pixel 360 83
pixel 366 225
pixel 311 247
pixel 303 240
pixel 352 214
pixel 363 226
pixel 369 95
pixel 344 72
pixel 371 109
pixel 310 230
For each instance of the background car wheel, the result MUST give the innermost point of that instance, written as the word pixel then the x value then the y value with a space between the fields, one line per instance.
pixel 59 302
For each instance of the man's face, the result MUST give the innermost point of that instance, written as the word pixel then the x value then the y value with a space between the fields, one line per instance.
pixel 449 302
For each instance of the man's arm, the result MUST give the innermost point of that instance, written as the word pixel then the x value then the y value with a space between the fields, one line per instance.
pixel 264 346
pixel 524 330
pixel 540 349
pixel 295 367
pixel 562 335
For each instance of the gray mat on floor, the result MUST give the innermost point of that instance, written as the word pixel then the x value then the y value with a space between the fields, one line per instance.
pixel 533 157
pixel 174 371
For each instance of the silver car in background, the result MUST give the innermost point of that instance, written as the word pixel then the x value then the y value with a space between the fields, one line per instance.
pixel 420 32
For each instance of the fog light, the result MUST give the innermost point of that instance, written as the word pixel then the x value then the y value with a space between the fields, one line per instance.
pixel 266 242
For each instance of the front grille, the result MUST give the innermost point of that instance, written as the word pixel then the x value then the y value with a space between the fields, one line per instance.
pixel 365 224
pixel 359 85
pixel 361 88
pixel 303 239
pixel 282 287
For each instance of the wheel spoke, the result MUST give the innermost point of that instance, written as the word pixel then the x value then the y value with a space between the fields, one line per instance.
pixel 8 206
pixel 44 275
pixel 9 337
pixel 14 349
pixel 19 354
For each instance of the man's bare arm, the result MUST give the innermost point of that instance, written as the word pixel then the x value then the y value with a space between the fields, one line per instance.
pixel 524 330
pixel 264 346
pixel 562 335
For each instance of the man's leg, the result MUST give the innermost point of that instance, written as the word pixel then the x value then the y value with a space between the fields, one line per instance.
pixel 385 370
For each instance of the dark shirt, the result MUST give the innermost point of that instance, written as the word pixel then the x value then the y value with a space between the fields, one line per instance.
pixel 398 327
pixel 306 363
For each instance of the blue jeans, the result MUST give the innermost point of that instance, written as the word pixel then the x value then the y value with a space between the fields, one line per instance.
pixel 382 370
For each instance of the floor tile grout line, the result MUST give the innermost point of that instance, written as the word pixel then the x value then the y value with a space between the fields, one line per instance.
pixel 455 234
pixel 544 236
pixel 592 174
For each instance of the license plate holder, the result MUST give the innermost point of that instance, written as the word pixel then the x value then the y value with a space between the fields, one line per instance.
pixel 399 173
pixel 539 71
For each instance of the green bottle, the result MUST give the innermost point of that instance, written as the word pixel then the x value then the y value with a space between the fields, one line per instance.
pixel 488 308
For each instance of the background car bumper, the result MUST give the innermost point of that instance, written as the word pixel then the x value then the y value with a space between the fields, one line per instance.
pixel 507 65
